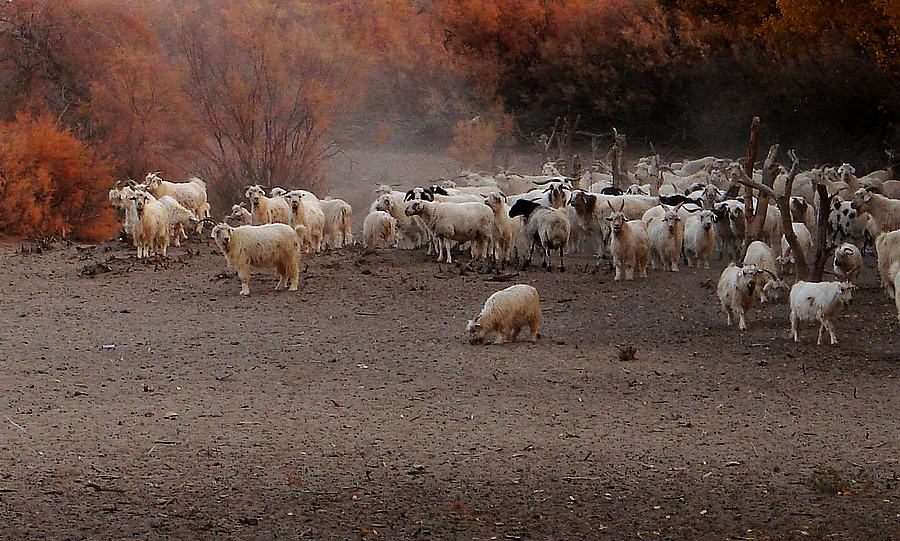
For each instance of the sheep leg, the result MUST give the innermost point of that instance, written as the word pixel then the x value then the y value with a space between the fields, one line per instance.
pixel 449 258
pixel 821 330
pixel 742 322
pixel 528 259
pixel 795 325
pixel 533 325
pixel 562 264
pixel 545 263
pixel 244 275
pixel 295 277
pixel 514 334
pixel 829 326
pixel 727 311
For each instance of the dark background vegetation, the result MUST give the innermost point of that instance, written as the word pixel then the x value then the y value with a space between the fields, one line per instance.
pixel 246 92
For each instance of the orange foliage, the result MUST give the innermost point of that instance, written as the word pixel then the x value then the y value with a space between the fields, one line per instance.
pixel 476 141
pixel 52 184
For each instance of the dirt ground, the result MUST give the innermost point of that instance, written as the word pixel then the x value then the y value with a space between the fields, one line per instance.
pixel 147 401
pixel 355 409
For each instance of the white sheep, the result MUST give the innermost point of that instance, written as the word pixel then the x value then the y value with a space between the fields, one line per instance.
pixel 309 215
pixel 666 235
pixel 267 246
pixel 191 194
pixel 699 238
pixel 150 230
pixel 460 222
pixel 379 230
pixel 629 245
pixel 267 210
pixel 887 245
pixel 818 301
pixel 544 226
pixel 884 211
pixel 769 285
pixel 506 313
pixel 848 262
pixel 736 292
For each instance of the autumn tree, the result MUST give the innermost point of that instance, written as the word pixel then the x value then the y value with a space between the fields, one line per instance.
pixel 101 69
pixel 52 184
pixel 265 78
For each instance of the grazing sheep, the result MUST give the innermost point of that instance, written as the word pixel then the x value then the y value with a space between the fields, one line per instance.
pixel 699 238
pixel 267 246
pixel 506 313
pixel 666 235
pixel 544 226
pixel 887 245
pixel 628 244
pixel 506 229
pixel 819 301
pixel 150 230
pixel 338 215
pixel 379 230
pixel 735 291
pixel 848 262
pixel 768 284
pixel 885 211
pixel 309 214
pixel 191 194
pixel 267 210
pixel 460 222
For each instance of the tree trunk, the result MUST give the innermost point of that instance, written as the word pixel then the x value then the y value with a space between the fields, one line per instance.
pixel 823 247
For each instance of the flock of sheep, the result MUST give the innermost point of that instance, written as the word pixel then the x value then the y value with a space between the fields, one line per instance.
pixel 679 213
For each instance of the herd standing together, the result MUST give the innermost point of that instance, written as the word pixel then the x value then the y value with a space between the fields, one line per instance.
pixel 683 213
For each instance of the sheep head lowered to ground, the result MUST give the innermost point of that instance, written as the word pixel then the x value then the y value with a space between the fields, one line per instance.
pixel 507 313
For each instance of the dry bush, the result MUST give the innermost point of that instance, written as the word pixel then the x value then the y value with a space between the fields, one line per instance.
pixel 477 141
pixel 52 184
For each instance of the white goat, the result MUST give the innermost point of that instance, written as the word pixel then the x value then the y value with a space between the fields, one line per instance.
pixel 804 239
pixel 268 246
pixel 267 210
pixel 338 215
pixel 308 214
pixel 151 231
pixel 379 230
pixel 506 229
pixel 818 301
pixel 699 238
pixel 666 235
pixel 506 313
pixel 629 245
pixel 735 291
pixel 179 217
pixel 239 215
pixel 191 194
